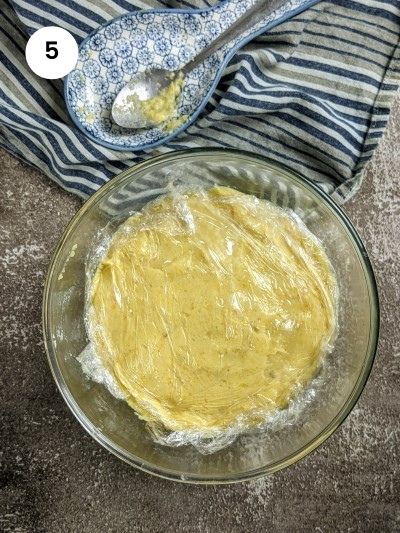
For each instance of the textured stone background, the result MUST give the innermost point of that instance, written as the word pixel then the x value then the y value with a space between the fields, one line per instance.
pixel 55 478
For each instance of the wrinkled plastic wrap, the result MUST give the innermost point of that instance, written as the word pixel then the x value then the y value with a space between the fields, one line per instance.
pixel 209 312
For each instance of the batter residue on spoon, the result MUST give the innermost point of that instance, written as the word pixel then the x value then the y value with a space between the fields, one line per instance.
pixel 211 307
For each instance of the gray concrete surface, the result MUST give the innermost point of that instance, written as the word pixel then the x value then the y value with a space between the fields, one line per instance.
pixel 55 478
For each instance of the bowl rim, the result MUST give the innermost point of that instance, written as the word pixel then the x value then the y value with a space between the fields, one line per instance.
pixel 325 433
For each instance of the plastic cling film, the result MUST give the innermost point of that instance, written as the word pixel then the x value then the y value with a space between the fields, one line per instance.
pixel 211 311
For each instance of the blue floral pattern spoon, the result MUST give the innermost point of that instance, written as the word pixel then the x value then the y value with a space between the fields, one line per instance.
pixel 160 39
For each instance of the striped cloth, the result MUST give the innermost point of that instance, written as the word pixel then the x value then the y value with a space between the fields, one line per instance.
pixel 314 93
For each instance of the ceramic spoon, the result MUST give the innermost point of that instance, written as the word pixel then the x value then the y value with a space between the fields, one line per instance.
pixel 150 83
pixel 141 43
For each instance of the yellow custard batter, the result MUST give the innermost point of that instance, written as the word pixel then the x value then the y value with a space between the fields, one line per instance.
pixel 211 308
pixel 162 108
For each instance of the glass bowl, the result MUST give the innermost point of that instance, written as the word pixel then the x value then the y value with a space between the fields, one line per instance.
pixel 111 421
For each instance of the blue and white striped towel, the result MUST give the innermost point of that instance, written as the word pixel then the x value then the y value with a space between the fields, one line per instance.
pixel 313 93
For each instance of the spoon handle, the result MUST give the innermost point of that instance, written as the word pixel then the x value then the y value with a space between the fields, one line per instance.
pixel 245 22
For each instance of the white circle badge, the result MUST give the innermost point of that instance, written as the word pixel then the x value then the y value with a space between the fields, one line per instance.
pixel 51 52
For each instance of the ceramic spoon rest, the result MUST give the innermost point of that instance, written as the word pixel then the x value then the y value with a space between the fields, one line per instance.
pixel 168 38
